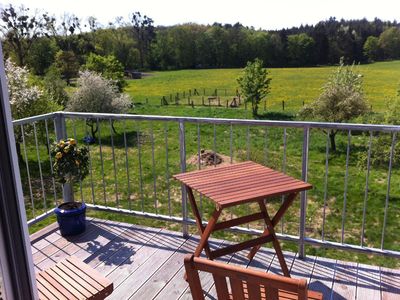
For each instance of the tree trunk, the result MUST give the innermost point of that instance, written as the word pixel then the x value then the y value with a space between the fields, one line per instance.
pixel 332 135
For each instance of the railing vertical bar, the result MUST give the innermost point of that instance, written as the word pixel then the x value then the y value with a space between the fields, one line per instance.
pixel 366 188
pixel 90 164
pixel 28 171
pixel 199 164
pixel 283 170
pixel 388 188
pixel 266 146
pixel 248 143
pixel 50 161
pixel 80 181
pixel 325 185
pixel 231 153
pixel 140 166
pixel 102 162
pixel 248 158
pixel 127 167
pixel 40 166
pixel 215 146
pixel 303 194
pixel 231 143
pixel 153 168
pixel 182 155
pixel 114 162
pixel 346 179
pixel 167 167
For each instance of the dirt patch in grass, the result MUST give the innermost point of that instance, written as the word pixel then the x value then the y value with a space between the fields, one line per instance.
pixel 208 159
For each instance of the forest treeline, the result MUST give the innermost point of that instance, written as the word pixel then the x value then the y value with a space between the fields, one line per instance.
pixel 40 41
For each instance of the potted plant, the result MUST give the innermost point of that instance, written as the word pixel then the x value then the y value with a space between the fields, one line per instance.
pixel 71 165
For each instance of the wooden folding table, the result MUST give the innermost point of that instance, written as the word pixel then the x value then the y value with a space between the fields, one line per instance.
pixel 237 184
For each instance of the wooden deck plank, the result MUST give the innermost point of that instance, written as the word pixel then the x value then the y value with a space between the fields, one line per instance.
pixel 82 246
pixel 368 282
pixel 161 278
pixel 390 284
pixel 345 280
pixel 302 268
pixel 177 286
pixel 123 247
pixel 322 276
pixel 167 243
pixel 127 255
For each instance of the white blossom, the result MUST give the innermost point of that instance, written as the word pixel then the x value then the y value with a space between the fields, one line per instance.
pixel 22 96
pixel 97 94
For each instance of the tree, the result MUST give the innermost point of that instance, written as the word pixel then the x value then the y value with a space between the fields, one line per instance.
pixel 99 95
pixel 389 41
pixel 68 65
pixel 108 66
pixel 300 48
pixel 21 29
pixel 25 100
pixel 42 55
pixel 372 49
pixel 254 83
pixel 143 31
pixel 342 99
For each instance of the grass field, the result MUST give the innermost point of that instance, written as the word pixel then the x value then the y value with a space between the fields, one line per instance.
pixel 265 145
pixel 292 85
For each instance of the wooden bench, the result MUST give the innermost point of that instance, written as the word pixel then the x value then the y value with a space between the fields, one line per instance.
pixel 245 283
pixel 72 279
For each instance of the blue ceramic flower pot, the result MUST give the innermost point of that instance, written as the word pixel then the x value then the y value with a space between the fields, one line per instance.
pixel 71 218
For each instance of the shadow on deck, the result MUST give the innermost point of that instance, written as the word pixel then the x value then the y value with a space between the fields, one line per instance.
pixel 147 263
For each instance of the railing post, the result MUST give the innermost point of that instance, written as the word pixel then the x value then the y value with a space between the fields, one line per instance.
pixel 303 194
pixel 61 134
pixel 182 155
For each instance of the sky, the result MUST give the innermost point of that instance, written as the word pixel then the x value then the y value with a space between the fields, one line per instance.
pixel 275 14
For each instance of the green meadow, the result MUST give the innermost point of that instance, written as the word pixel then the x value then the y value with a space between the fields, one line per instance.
pixel 292 85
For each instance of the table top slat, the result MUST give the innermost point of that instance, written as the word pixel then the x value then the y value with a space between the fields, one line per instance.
pixel 241 183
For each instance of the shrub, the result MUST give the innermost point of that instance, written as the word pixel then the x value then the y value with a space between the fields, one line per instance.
pixel 99 95
pixel 341 100
pixel 108 66
pixel 71 163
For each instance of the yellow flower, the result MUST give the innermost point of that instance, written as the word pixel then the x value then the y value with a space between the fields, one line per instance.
pixel 66 149
pixel 77 163
pixel 72 141
pixel 58 155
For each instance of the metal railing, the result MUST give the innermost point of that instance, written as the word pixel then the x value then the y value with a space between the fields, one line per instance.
pixel 134 156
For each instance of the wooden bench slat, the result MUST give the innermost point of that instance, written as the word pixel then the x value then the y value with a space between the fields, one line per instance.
pixel 84 285
pixel 84 276
pixel 53 286
pixel 72 293
pixel 72 279
pixel 72 282
pixel 89 271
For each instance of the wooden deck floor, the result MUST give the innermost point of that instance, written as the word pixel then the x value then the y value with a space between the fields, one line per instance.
pixel 147 263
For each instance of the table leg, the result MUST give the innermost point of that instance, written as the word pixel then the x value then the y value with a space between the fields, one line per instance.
pixel 207 231
pixel 197 217
pixel 275 220
pixel 270 231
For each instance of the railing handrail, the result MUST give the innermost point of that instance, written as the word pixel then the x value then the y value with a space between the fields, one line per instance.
pixel 273 123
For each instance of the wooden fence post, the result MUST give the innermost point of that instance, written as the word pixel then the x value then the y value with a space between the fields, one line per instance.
pixel 265 105
pixel 219 102
pixel 202 100
pixel 227 103
pixel 283 104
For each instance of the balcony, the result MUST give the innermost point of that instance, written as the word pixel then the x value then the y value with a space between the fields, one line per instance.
pixel 350 215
